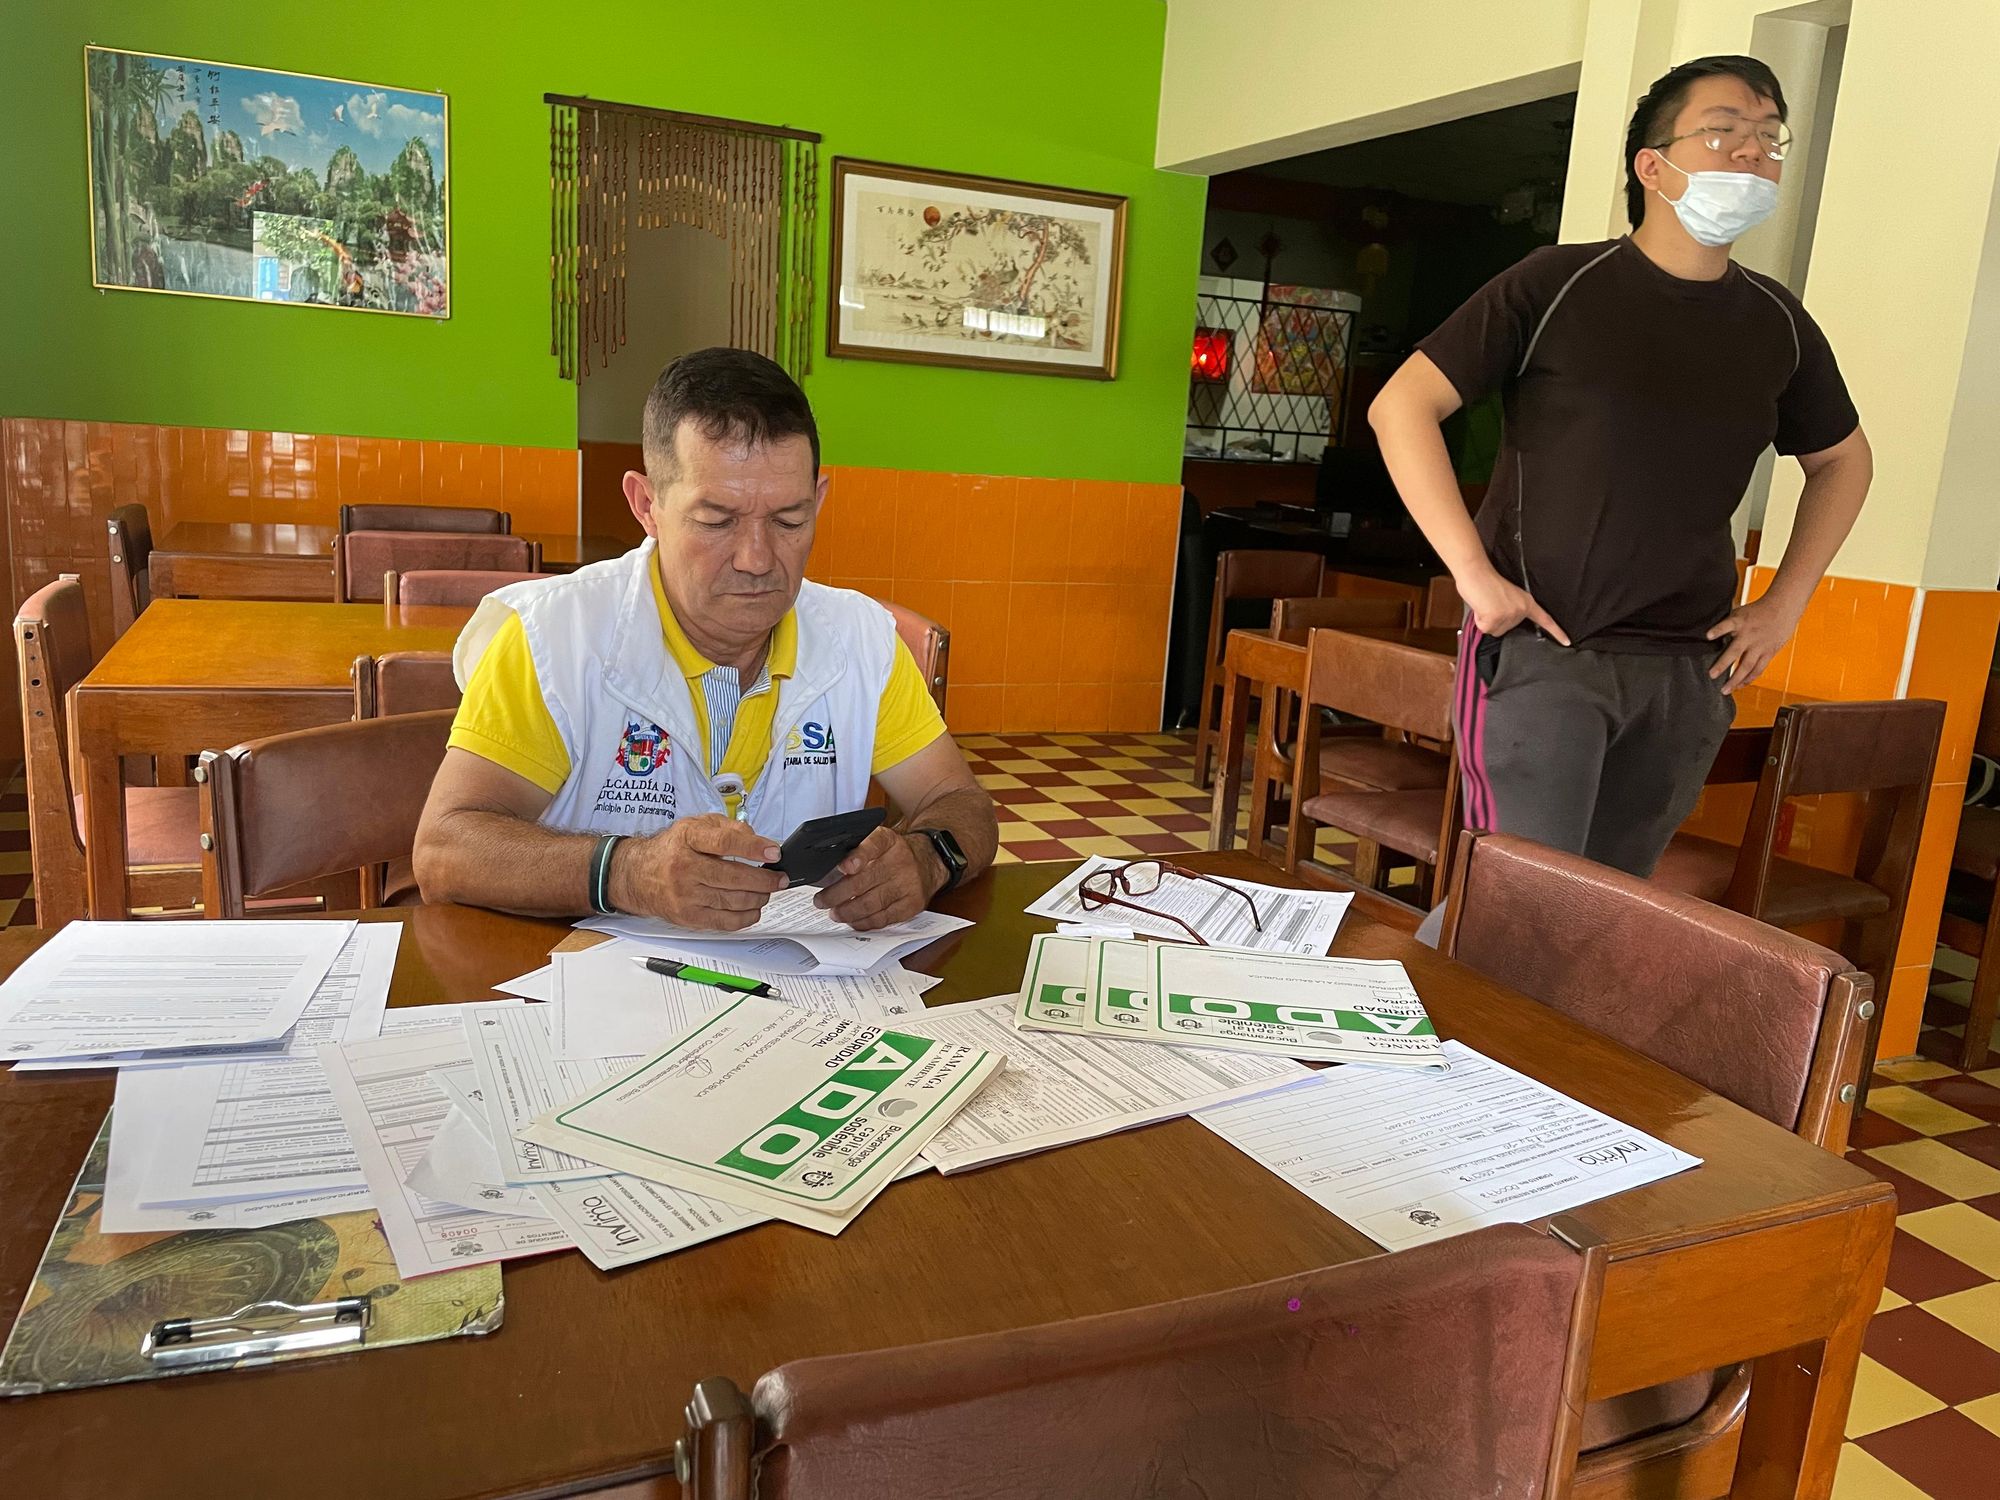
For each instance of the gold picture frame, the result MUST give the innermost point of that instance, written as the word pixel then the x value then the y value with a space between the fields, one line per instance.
pixel 984 273
pixel 298 237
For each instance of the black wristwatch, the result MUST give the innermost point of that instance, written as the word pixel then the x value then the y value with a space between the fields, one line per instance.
pixel 948 853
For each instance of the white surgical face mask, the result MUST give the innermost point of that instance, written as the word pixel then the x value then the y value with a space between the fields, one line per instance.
pixel 1719 208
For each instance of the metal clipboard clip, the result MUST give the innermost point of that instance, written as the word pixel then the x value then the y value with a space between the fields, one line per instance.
pixel 262 1328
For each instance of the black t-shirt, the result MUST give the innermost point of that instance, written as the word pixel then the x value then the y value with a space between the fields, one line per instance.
pixel 1637 405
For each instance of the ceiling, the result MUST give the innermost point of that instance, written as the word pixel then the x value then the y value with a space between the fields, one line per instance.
pixel 1471 160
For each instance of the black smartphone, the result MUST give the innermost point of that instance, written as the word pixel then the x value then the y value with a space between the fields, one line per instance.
pixel 818 844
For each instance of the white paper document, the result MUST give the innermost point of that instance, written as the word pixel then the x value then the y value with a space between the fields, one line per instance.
pixel 346 1007
pixel 608 1004
pixel 463 1168
pixel 620 1220
pixel 1284 921
pixel 1059 1089
pixel 225 1133
pixel 393 1110
pixel 138 986
pixel 1419 1155
pixel 520 1077
pixel 1183 995
pixel 536 984
pixel 790 915
pixel 775 1108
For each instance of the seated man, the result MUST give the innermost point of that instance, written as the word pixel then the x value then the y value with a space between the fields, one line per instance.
pixel 640 735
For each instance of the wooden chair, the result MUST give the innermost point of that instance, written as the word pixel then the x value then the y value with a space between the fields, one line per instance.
pixel 1407 691
pixel 131 538
pixel 362 559
pixel 404 682
pixel 1443 608
pixel 1762 1017
pixel 1886 750
pixel 368 780
pixel 162 836
pixel 1243 573
pixel 1352 753
pixel 1340 1383
pixel 1971 922
pixel 424 518
pixel 929 643
pixel 448 586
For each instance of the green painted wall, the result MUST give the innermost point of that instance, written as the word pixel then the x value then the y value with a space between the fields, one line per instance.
pixel 1050 91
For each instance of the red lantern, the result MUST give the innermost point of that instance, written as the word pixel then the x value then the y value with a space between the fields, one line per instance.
pixel 1210 363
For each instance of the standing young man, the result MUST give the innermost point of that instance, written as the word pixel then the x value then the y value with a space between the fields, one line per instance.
pixel 1642 378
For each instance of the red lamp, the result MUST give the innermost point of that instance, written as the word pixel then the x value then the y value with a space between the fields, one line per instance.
pixel 1210 362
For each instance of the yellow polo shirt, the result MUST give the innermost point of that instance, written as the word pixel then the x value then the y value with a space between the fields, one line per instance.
pixel 504 719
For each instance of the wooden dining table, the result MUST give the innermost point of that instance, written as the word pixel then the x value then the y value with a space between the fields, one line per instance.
pixel 1771 1251
pixel 280 560
pixel 204 674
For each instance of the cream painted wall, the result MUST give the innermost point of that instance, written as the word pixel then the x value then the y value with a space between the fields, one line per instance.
pixel 1250 81
pixel 1897 257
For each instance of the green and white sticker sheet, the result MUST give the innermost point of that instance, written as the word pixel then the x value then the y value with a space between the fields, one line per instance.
pixel 800 1115
pixel 1181 994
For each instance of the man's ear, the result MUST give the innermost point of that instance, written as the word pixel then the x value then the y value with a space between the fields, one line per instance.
pixel 1646 167
pixel 820 492
pixel 639 495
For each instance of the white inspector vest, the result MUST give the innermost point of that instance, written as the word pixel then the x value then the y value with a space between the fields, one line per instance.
pixel 626 714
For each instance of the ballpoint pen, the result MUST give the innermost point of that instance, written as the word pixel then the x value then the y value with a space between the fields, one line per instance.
pixel 673 968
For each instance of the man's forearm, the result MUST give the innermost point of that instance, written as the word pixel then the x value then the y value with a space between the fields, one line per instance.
pixel 494 859
pixel 967 815
pixel 1827 508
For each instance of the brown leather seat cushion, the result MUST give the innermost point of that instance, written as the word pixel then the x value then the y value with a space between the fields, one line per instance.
pixel 1977 852
pixel 1797 895
pixel 1388 765
pixel 1656 1408
pixel 1407 822
pixel 162 825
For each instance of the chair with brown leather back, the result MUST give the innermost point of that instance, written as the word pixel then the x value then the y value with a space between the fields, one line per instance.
pixel 929 643
pixel 448 586
pixel 1351 753
pixel 361 559
pixel 404 682
pixel 162 833
pixel 1443 608
pixel 369 779
pixel 1971 921
pixel 1452 1369
pixel 1407 691
pixel 1243 573
pixel 424 518
pixel 1762 1017
pixel 131 537
pixel 1887 751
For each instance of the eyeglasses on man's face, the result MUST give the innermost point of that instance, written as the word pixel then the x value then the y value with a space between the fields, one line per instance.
pixel 1725 137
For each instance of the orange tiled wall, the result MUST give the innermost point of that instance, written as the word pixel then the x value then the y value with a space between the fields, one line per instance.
pixel 63 478
pixel 1055 591
pixel 1851 645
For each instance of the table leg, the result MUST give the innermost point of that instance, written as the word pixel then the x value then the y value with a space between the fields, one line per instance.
pixel 1228 794
pixel 1799 1396
pixel 104 837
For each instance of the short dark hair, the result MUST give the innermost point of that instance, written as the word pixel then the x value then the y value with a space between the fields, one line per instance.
pixel 1654 119
pixel 730 394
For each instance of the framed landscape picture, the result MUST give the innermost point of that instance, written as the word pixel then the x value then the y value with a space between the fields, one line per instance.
pixel 943 269
pixel 214 180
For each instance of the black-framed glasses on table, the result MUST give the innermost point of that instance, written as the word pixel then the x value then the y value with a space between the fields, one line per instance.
pixel 1127 885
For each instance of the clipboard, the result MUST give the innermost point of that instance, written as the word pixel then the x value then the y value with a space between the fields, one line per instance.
pixel 108 1308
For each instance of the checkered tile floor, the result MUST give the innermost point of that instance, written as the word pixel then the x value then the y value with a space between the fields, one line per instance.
pixel 1926 1414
